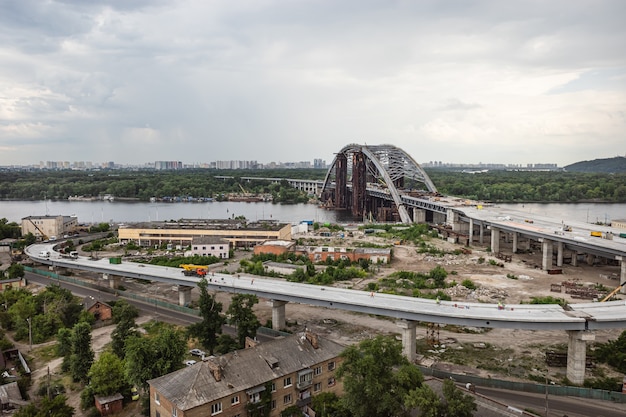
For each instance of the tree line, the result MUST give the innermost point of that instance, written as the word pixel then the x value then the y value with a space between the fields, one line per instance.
pixel 496 186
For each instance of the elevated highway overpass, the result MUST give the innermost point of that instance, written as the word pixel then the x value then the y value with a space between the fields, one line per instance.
pixel 579 320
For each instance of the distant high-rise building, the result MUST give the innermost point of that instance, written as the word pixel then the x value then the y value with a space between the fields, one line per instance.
pixel 319 163
pixel 168 165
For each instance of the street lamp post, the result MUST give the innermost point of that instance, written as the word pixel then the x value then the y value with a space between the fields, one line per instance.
pixel 30 334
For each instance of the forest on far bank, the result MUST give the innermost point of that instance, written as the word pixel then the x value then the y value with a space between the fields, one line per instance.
pixel 493 186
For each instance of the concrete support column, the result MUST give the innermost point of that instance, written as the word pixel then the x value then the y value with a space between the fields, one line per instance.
pixel 184 295
pixel 590 259
pixel 439 217
pixel 114 280
pixel 482 234
pixel 574 258
pixel 419 215
pixel 622 275
pixel 470 232
pixel 546 261
pixel 515 239
pixel 452 219
pixel 577 354
pixel 495 240
pixel 278 314
pixel 559 254
pixel 408 338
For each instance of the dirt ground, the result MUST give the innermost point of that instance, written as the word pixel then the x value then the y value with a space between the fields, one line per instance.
pixel 518 353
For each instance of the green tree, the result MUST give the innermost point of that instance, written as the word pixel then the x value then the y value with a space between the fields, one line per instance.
pixel 154 356
pixel 377 377
pixel 82 355
pixel 453 404
pixel 15 271
pixel 124 315
pixel 64 347
pixel 48 407
pixel 106 376
pixel 328 404
pixel 242 316
pixel 212 320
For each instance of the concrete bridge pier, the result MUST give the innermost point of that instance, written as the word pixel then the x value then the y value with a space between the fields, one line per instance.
pixel 114 280
pixel 452 218
pixel 591 259
pixel 559 254
pixel 439 218
pixel 470 232
pixel 577 354
pixel 278 314
pixel 515 241
pixel 546 261
pixel 622 275
pixel 408 338
pixel 495 240
pixel 481 236
pixel 419 215
pixel 184 295
pixel 574 258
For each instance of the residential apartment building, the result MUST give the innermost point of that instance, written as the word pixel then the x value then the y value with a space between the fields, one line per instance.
pixel 272 375
pixel 239 233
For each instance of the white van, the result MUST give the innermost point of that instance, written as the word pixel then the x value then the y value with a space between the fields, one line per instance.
pixel 44 254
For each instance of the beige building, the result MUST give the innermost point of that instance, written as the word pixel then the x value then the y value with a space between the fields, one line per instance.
pixel 239 233
pixel 620 224
pixel 277 374
pixel 48 227
pixel 210 246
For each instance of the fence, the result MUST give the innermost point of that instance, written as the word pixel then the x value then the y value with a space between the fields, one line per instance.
pixel 559 390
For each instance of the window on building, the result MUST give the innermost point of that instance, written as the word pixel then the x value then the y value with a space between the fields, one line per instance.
pixel 331 381
pixel 287 382
pixel 174 412
pixel 158 413
pixel 287 399
pixel 331 366
pixel 305 377
pixel 216 408
pixel 273 405
pixel 317 387
pixel 157 398
pixel 234 400
pixel 273 387
pixel 254 398
pixel 317 371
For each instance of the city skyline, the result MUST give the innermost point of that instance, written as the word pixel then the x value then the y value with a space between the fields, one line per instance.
pixel 466 82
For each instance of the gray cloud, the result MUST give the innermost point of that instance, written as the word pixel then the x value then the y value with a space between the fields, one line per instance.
pixel 138 81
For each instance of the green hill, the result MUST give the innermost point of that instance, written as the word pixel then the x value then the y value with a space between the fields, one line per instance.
pixel 606 165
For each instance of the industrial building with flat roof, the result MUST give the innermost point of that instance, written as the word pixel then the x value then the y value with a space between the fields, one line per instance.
pixel 239 232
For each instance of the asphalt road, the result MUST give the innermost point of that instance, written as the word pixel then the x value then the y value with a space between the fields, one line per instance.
pixel 557 406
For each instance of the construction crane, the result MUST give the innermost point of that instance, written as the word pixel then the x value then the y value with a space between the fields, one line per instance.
pixel 191 270
pixel 43 235
pixel 612 293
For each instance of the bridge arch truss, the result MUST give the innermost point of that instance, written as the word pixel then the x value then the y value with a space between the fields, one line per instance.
pixel 357 168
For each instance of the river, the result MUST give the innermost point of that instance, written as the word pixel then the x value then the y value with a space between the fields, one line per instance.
pixel 122 212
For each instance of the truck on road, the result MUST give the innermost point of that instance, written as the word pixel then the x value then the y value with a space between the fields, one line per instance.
pixel 190 270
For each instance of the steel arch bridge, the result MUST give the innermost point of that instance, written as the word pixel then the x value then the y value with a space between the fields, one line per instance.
pixel 357 168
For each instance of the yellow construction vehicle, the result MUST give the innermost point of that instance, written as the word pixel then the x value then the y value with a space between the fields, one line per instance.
pixel 190 270
pixel 612 293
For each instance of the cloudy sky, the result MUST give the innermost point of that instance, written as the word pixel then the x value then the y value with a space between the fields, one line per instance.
pixel 134 81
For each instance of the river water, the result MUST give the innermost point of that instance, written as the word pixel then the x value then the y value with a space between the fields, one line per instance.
pixel 121 212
